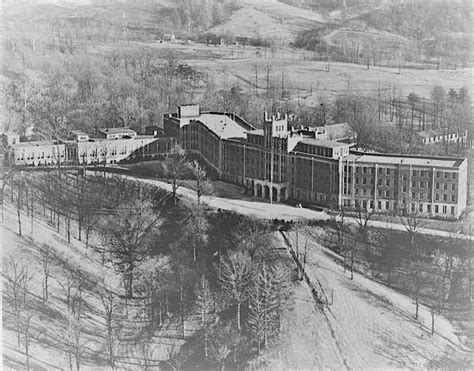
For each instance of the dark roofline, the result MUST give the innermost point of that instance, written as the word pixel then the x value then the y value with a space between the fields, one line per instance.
pixel 458 160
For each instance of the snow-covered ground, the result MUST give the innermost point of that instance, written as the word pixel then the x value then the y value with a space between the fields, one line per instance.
pixel 368 326
pixel 48 330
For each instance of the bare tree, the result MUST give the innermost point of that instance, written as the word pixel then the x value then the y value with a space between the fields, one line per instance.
pixel 203 185
pixel 254 237
pixel 176 165
pixel 111 312
pixel 235 278
pixel 17 278
pixel 46 259
pixel 339 222
pixel 129 234
pixel 178 357
pixel 411 220
pixel 197 227
pixel 152 284
pixel 71 284
pixel 221 341
pixel 205 308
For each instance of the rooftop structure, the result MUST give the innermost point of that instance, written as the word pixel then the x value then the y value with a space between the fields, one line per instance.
pixel 387 159
pixel 116 133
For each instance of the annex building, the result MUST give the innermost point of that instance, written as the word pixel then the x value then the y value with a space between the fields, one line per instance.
pixel 315 165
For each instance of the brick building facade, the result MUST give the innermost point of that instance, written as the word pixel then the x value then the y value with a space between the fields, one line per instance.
pixel 279 163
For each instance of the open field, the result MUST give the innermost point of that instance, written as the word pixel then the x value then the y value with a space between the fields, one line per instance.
pixel 305 78
pixel 269 19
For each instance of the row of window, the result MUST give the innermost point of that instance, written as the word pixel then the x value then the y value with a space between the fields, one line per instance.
pixel 385 205
pixel 414 184
pixel 415 173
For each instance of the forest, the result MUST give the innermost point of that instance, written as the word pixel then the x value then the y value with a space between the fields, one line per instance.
pixel 178 262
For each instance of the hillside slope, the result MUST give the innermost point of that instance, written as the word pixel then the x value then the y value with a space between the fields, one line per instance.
pixel 368 326
pixel 270 19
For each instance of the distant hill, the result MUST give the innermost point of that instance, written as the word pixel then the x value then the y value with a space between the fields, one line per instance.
pixel 426 33
pixel 270 19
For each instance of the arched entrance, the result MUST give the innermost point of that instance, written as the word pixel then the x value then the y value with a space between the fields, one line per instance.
pixel 266 192
pixel 275 194
pixel 259 190
pixel 283 194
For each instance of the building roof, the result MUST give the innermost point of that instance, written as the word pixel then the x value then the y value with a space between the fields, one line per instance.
pixel 255 132
pixel 222 125
pixel 322 143
pixel 339 131
pixel 122 130
pixel 78 132
pixel 383 159
pixel 38 143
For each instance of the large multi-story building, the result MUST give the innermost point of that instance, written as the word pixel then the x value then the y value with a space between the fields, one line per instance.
pixel 279 163
pixel 312 165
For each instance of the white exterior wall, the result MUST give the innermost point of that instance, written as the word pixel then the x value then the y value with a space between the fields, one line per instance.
pixel 110 151
pixel 42 154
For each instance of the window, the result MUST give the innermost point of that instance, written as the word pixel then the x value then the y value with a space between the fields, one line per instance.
pixel 387 171
pixel 379 193
pixel 387 193
pixel 413 207
pixel 437 197
pixel 453 186
pixel 371 180
pixel 364 204
pixel 420 208
pixel 357 191
pixel 364 170
pixel 446 175
pixel 379 181
pixel 422 173
pixel 415 172
pixel 387 205
pixel 372 170
pixel 357 180
pixel 452 210
pixel 445 209
pixel 371 204
pixel 413 195
pixel 364 180
pixel 453 198
pixel 428 208
pixel 437 186
pixel 445 197
pixel 404 188
pixel 422 195
pixel 387 182
pixel 371 192
pixel 404 178
pixel 438 174
pixel 422 184
pixel 436 209
pixel 453 176
pixel 364 192
pixel 413 184
pixel 379 205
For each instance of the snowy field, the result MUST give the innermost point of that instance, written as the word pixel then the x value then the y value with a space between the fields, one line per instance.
pixel 48 330
pixel 368 326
